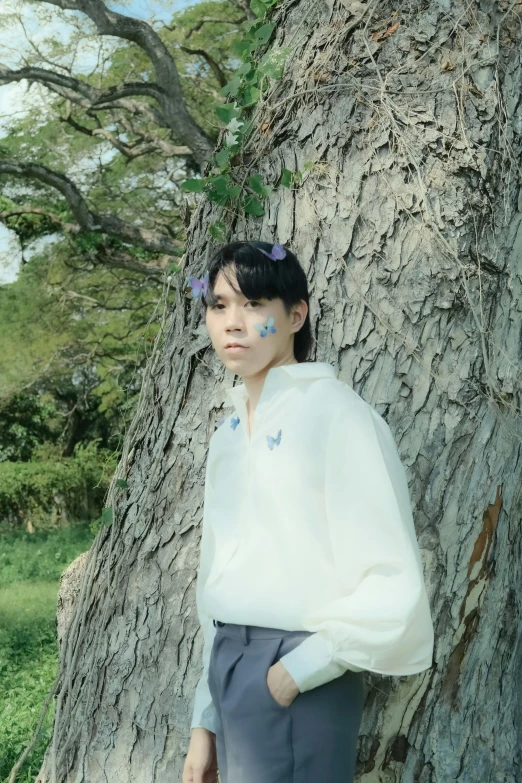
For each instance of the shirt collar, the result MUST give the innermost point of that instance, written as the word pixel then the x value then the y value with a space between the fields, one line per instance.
pixel 278 378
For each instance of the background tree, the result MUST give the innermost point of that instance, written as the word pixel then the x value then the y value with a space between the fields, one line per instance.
pixel 79 322
pixel 408 225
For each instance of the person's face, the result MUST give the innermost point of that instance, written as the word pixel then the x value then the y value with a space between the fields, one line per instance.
pixel 233 319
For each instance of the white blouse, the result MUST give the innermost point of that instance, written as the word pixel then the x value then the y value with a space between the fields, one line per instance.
pixel 307 525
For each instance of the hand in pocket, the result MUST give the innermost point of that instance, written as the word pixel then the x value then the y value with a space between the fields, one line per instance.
pixel 281 685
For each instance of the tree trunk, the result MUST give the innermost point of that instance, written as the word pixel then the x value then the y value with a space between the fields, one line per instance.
pixel 409 227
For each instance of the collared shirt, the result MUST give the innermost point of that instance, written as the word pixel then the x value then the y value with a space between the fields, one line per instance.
pixel 307 525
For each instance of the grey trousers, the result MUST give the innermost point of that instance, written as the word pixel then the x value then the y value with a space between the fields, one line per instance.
pixel 313 740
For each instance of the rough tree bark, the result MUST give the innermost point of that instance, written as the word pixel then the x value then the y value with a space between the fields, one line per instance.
pixel 409 227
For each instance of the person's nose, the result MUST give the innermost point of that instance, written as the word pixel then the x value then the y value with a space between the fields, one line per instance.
pixel 235 321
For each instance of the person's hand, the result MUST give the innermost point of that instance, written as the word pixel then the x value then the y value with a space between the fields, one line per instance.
pixel 281 684
pixel 201 761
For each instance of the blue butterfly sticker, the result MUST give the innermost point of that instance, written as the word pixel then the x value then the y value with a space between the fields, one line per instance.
pixel 234 422
pixel 273 441
pixel 266 328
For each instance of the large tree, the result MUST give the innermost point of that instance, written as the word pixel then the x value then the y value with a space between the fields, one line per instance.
pixel 97 186
pixel 408 225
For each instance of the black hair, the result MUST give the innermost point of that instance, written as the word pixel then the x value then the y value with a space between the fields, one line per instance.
pixel 259 277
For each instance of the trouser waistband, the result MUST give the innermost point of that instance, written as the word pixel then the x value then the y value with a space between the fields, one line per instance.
pixel 247 632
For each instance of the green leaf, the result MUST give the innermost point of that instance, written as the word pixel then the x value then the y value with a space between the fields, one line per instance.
pixel 251 96
pixel 241 48
pixel 226 112
pixel 217 231
pixel 121 483
pixel 286 178
pixel 253 206
pixel 222 157
pixel 256 183
pixel 220 184
pixel 231 88
pixel 245 69
pixel 216 198
pixel 107 515
pixel 272 62
pixel 263 33
pixel 194 185
pixel 258 7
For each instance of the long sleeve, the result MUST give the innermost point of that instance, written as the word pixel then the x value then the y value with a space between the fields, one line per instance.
pixel 204 712
pixel 382 622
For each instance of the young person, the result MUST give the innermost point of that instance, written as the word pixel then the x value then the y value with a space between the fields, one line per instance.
pixel 310 572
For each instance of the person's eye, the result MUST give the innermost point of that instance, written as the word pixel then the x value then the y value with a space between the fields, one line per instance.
pixel 213 307
pixel 254 302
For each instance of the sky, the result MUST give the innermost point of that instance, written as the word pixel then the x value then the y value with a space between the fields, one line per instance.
pixel 12 95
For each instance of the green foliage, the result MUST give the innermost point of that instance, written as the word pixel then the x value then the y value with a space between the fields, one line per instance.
pixel 32 330
pixel 64 316
pixel 30 568
pixel 28 667
pixel 79 322
pixel 246 87
pixel 25 422
pixel 42 555
pixel 30 226
pixel 29 490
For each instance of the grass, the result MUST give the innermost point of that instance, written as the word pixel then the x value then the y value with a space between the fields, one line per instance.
pixel 30 568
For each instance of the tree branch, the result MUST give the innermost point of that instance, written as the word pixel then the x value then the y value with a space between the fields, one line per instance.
pixel 87 96
pixel 90 221
pixel 205 19
pixel 122 260
pixel 131 150
pixel 170 97
pixel 218 73
pixel 73 227
pixel 70 83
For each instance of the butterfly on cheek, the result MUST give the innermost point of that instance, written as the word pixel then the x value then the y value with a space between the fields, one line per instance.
pixel 273 441
pixel 234 422
pixel 266 328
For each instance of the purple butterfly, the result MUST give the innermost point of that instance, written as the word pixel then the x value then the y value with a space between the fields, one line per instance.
pixel 278 252
pixel 199 285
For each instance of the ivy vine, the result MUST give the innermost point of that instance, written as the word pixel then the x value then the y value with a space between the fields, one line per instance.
pixel 248 84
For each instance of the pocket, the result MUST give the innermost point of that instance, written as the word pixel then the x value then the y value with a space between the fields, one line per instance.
pixel 285 645
pixel 226 660
pixel 274 657
pixel 211 675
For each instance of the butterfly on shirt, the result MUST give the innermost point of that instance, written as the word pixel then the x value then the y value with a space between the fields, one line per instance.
pixel 266 328
pixel 273 441
pixel 234 421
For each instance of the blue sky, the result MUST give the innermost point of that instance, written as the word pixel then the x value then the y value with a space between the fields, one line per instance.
pixel 12 95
